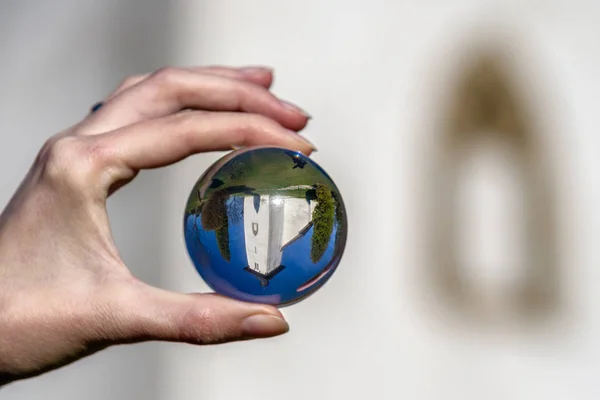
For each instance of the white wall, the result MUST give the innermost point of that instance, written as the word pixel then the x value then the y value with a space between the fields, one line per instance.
pixel 368 72
pixel 57 59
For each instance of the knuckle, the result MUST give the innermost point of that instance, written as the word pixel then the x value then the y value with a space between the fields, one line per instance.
pixel 201 326
pixel 247 90
pixel 259 121
pixel 247 129
pixel 185 119
pixel 168 81
pixel 128 82
pixel 182 123
pixel 71 160
pixel 253 124
pixel 112 321
pixel 58 153
pixel 166 75
pixel 183 126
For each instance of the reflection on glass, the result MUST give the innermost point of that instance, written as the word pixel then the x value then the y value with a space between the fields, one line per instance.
pixel 265 225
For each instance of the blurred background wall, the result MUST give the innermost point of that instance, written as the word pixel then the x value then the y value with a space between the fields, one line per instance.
pixel 58 58
pixel 377 77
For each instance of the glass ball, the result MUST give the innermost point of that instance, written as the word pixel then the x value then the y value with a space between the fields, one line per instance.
pixel 265 225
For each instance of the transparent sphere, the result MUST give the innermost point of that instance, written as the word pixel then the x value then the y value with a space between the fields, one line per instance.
pixel 265 225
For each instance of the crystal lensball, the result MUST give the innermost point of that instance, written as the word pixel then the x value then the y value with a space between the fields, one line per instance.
pixel 265 225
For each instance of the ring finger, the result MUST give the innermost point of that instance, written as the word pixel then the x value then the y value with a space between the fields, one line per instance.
pixel 262 76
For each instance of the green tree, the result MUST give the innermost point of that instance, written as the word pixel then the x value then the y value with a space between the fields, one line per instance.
pixel 214 211
pixel 214 218
pixel 194 204
pixel 323 218
pixel 223 242
pixel 339 221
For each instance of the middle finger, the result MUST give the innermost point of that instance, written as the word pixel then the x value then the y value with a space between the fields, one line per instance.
pixel 171 90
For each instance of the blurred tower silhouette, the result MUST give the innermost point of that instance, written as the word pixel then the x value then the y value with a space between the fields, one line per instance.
pixel 484 105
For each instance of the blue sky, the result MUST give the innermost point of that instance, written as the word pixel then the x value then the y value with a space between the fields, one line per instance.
pixel 229 278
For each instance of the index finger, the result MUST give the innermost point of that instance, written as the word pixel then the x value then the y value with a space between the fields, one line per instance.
pixel 158 143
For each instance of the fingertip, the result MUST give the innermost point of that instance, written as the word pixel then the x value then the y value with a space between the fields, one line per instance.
pixel 272 310
pixel 256 320
pixel 296 109
pixel 252 69
pixel 295 118
pixel 259 75
pixel 263 326
pixel 304 145
pixel 296 122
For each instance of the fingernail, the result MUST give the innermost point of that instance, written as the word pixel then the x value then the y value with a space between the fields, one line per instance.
pixel 294 107
pixel 255 70
pixel 263 325
pixel 302 139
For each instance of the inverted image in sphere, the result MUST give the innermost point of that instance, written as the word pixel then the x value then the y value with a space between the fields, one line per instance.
pixel 265 225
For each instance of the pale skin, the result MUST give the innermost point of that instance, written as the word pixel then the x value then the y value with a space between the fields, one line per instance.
pixel 65 292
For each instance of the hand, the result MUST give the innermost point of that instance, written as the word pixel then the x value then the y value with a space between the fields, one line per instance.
pixel 64 291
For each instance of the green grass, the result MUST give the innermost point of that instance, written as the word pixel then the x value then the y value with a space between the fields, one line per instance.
pixel 264 171
pixel 295 193
pixel 267 170
pixel 194 204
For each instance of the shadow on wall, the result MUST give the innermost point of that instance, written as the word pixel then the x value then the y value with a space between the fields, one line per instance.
pixel 486 106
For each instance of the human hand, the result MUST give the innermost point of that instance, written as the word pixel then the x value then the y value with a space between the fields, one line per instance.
pixel 64 291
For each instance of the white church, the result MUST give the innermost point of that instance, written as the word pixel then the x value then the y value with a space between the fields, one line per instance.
pixel 270 224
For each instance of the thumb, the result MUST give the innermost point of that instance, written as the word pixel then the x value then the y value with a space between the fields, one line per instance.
pixel 147 313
